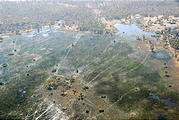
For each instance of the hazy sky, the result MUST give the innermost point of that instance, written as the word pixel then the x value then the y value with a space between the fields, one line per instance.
pixel 12 0
pixel 92 0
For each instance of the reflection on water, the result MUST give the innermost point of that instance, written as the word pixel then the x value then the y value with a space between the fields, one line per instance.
pixel 131 30
pixel 167 101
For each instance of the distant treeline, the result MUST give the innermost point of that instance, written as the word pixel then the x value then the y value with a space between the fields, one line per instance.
pixel 16 16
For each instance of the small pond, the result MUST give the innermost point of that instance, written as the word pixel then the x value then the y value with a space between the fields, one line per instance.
pixel 162 55
pixel 131 30
pixel 167 101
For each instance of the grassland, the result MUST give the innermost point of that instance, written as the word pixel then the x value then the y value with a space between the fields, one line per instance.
pixel 83 76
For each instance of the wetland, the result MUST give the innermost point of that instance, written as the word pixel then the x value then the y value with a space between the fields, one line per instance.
pixel 50 72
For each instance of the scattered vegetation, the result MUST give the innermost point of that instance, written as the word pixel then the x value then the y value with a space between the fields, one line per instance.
pixel 108 70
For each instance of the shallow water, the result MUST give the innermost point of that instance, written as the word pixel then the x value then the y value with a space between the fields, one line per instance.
pixel 49 46
pixel 167 101
pixel 162 55
pixel 131 30
pixel 44 32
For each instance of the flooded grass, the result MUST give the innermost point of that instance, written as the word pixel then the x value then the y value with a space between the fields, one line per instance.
pixel 106 68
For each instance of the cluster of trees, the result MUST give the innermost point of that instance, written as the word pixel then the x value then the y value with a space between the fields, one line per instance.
pixel 53 82
pixel 27 15
pixel 171 36
pixel 175 43
pixel 122 9
pixel 174 39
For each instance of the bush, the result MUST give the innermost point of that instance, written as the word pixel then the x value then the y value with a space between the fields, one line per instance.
pixel 72 80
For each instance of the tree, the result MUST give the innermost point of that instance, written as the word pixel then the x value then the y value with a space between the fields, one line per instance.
pixel 166 73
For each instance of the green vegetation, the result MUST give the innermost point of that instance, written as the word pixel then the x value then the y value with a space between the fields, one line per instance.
pixel 51 84
pixel 158 32
pixel 131 92
pixel 13 102
pixel 123 9
pixel 15 95
pixel 155 35
pixel 171 36
pixel 72 80
pixel 116 77
pixel 175 43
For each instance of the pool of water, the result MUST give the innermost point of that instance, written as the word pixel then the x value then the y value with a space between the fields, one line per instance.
pixel 167 101
pixel 131 30
pixel 44 32
pixel 162 55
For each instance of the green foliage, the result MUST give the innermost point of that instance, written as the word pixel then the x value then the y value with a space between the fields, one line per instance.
pixel 54 76
pixel 51 84
pixel 72 80
pixel 85 88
